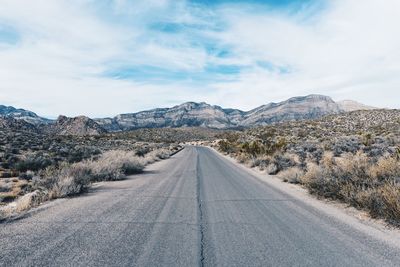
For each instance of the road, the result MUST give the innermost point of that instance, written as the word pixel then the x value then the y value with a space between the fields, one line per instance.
pixel 195 209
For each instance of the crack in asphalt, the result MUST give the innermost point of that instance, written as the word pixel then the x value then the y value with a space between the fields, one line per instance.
pixel 200 214
pixel 251 200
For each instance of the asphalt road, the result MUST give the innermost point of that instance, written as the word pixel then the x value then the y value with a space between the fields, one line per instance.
pixel 195 209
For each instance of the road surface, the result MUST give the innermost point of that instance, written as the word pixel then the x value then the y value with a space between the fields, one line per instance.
pixel 195 209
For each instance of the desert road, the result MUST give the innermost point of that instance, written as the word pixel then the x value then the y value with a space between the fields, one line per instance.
pixel 195 209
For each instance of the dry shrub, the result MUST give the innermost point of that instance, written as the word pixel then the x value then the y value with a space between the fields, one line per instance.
pixel 382 202
pixel 72 179
pixel 272 169
pixel 260 161
pixel 66 180
pixel 282 162
pixel 314 172
pixel 29 200
pixel 387 168
pixel 114 165
pixel 291 175
pixel 391 198
pixel 357 180
pixel 242 158
pixel 320 181
pixel 328 159
pixel 160 153
pixel 156 155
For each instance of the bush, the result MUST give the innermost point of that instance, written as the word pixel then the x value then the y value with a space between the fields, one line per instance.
pixel 357 180
pixel 156 155
pixel 114 165
pixel 33 163
pixel 66 180
pixel 291 175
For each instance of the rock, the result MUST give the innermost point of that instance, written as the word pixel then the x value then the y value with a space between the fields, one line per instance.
pixel 80 125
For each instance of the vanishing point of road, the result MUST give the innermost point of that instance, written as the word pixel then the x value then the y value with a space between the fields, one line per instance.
pixel 195 209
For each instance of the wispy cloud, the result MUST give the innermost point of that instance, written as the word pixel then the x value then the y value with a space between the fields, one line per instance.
pixel 106 57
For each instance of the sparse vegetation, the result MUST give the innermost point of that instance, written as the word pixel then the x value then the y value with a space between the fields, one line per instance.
pixel 35 166
pixel 351 157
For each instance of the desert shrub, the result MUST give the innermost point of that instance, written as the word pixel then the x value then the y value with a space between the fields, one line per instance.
pixel 346 144
pixel 242 158
pixel 383 202
pixel 132 166
pixel 156 154
pixel 291 175
pixel 359 181
pixel 28 175
pixel 227 146
pixel 114 165
pixel 261 161
pixel 142 151
pixel 283 162
pixel 29 200
pixel 33 163
pixel 66 180
pixel 82 152
pixel 319 181
pixel 386 169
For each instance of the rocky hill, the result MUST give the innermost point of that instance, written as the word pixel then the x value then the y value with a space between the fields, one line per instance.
pixel 192 114
pixel 22 114
pixel 350 105
pixel 189 114
pixel 9 124
pixel 296 108
pixel 80 126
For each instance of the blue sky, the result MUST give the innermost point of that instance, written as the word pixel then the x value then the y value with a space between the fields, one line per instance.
pixel 101 58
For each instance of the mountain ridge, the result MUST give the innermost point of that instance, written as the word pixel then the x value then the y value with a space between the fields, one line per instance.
pixel 22 114
pixel 192 114
pixel 188 114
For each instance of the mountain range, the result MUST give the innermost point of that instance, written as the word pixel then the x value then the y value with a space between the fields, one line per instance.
pixel 22 114
pixel 193 114
pixel 189 114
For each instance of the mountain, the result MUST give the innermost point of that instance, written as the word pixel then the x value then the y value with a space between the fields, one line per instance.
pixel 192 114
pixel 350 105
pixel 80 125
pixel 189 114
pixel 22 114
pixel 296 108
pixel 9 124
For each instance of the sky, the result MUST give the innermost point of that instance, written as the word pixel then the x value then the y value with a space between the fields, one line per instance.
pixel 105 57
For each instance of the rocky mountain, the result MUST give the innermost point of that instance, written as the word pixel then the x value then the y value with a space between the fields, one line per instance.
pixel 22 114
pixel 296 108
pixel 189 114
pixel 9 124
pixel 350 105
pixel 80 125
pixel 192 114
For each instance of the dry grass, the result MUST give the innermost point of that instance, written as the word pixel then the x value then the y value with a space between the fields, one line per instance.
pixel 29 200
pixel 359 181
pixel 114 165
pixel 71 179
pixel 352 157
pixel 11 188
pixel 291 175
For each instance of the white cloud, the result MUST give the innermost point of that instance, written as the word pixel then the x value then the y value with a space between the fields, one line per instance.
pixel 347 50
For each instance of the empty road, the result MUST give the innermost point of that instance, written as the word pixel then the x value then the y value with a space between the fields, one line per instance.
pixel 195 209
